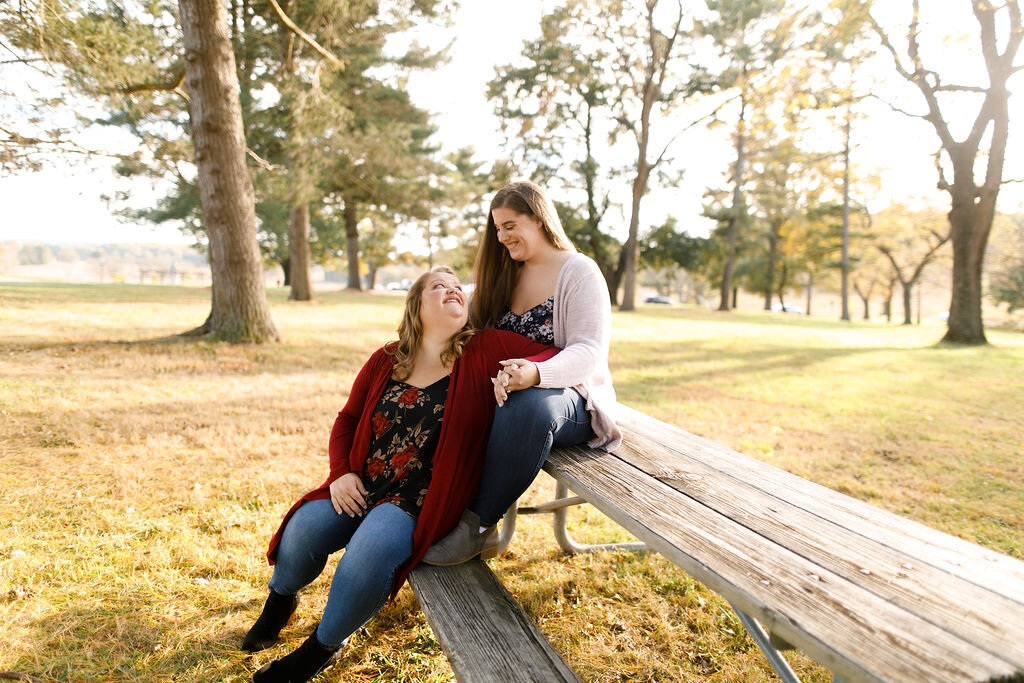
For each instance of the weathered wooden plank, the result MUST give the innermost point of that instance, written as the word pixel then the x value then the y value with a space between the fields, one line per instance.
pixel 849 629
pixel 977 613
pixel 992 570
pixel 482 629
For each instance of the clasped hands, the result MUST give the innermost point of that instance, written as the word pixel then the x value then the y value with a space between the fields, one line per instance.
pixel 516 374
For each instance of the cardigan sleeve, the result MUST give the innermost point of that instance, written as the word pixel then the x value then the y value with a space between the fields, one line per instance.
pixel 587 320
pixel 343 433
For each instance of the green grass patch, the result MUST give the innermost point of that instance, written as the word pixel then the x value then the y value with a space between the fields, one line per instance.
pixel 143 474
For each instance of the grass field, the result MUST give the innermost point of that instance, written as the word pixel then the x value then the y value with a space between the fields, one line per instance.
pixel 142 474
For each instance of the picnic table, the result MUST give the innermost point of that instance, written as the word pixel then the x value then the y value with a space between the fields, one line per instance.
pixel 866 593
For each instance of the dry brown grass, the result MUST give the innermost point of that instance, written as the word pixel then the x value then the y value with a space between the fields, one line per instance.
pixel 142 475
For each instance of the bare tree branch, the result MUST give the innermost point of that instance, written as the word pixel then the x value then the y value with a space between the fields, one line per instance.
pixel 336 62
pixel 23 60
pixel 919 76
pixel 261 162
pixel 942 184
pixel 176 86
pixel 55 143
pixel 884 38
pixel 702 119
pixel 897 109
pixel 960 88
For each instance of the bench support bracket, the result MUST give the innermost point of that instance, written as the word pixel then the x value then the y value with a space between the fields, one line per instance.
pixel 559 508
pixel 771 653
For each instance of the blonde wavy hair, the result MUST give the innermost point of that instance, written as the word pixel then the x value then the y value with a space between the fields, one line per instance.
pixel 410 331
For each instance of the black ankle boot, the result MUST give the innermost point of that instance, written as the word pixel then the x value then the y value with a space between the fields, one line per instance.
pixel 277 612
pixel 298 667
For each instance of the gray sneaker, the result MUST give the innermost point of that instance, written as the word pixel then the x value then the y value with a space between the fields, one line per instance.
pixel 465 542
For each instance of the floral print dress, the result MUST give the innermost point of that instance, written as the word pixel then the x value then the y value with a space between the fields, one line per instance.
pixel 536 323
pixel 406 425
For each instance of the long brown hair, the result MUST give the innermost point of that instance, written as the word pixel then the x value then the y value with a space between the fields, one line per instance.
pixel 495 272
pixel 410 330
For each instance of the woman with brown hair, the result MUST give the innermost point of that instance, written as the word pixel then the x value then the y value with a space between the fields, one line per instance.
pixel 405 458
pixel 530 280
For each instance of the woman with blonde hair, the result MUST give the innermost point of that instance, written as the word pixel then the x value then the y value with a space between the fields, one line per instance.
pixel 530 280
pixel 405 458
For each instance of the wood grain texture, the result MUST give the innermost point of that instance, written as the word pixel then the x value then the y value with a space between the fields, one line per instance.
pixel 962 558
pixel 866 593
pixel 482 629
pixel 917 582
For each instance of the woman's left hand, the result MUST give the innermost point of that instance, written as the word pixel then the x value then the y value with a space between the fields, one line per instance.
pixel 516 374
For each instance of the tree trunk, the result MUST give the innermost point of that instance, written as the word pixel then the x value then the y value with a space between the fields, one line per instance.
pixel 773 250
pixel 352 245
pixel 286 266
pixel 632 252
pixel 845 294
pixel 614 278
pixel 299 254
pixel 865 297
pixel 239 310
pixel 737 203
pixel 651 92
pixel 970 225
pixel 612 273
pixel 371 274
pixel 908 288
pixel 810 290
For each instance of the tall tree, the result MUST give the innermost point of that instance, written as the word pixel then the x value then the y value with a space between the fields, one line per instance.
pixel 652 73
pixel 910 240
pixel 239 310
pixel 841 41
pixel 383 161
pixel 973 204
pixel 750 36
pixel 778 175
pixel 870 270
pixel 555 110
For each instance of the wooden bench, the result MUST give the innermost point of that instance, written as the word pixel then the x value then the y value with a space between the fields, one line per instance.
pixel 868 594
pixel 482 630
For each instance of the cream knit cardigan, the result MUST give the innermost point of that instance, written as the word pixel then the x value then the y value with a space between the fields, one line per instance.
pixel 582 328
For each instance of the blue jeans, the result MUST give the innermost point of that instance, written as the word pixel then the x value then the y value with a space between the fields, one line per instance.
pixel 375 546
pixel 524 430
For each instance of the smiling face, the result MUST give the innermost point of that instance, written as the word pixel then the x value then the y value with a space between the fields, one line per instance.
pixel 522 235
pixel 443 301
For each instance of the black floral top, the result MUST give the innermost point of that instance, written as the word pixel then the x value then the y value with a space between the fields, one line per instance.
pixel 536 323
pixel 406 425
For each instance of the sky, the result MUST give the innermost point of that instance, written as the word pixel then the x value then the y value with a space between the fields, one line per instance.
pixel 63 204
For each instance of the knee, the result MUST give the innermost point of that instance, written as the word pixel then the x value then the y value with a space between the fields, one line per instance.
pixel 308 529
pixel 526 412
pixel 383 551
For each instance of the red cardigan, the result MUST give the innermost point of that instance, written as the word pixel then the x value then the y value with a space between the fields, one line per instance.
pixel 458 459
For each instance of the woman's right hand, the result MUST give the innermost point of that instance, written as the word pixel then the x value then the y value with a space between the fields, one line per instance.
pixel 348 495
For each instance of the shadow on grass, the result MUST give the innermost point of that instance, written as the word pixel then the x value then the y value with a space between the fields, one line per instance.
pixel 680 363
pixel 83 643
pixel 761 318
pixel 348 340
pixel 51 293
